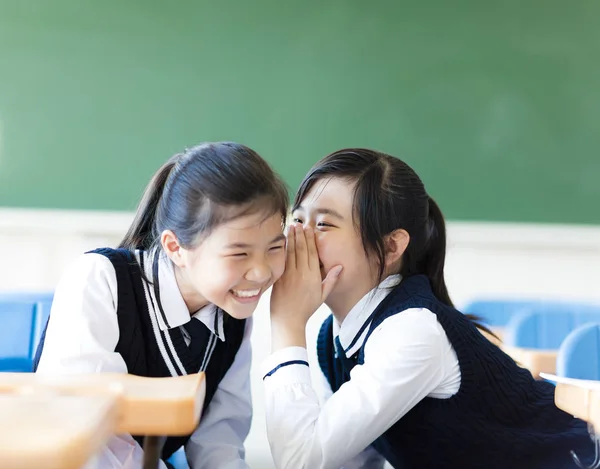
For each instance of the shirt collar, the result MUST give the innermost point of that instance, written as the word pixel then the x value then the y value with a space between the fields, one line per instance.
pixel 173 306
pixel 212 318
pixel 354 328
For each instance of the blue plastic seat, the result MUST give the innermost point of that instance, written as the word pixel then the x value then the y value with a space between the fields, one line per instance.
pixel 17 321
pixel 545 326
pixel 579 354
pixel 23 317
pixel 496 312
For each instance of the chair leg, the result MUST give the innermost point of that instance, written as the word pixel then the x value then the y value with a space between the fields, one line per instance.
pixel 153 446
pixel 595 463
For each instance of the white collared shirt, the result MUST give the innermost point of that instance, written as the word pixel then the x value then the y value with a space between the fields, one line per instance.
pixel 407 357
pixel 83 332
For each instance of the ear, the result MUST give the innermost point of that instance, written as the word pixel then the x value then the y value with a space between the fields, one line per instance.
pixel 172 248
pixel 396 243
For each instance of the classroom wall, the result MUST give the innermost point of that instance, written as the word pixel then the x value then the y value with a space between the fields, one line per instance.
pixel 484 259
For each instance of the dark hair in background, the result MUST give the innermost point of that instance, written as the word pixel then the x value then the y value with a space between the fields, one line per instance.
pixel 390 196
pixel 202 187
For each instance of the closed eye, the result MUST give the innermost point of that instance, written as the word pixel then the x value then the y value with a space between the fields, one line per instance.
pixel 322 223
pixel 276 248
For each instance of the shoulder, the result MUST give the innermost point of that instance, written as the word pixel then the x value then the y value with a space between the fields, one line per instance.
pixel 415 328
pixel 90 266
pixel 88 272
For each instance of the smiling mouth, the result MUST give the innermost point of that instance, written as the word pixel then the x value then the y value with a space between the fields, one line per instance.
pixel 246 294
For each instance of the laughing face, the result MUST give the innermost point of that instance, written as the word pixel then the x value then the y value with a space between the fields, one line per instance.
pixel 234 265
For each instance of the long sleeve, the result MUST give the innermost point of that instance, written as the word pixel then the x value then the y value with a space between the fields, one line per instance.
pixel 369 458
pixel 403 364
pixel 219 439
pixel 81 338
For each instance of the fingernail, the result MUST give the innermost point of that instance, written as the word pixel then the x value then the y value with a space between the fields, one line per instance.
pixel 337 270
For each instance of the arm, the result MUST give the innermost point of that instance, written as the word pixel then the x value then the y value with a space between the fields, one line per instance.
pixel 402 365
pixel 370 457
pixel 82 334
pixel 219 439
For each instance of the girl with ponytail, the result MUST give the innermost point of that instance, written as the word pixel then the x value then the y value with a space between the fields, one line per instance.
pixel 396 373
pixel 177 296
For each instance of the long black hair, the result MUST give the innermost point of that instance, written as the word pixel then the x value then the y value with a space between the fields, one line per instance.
pixel 389 196
pixel 206 185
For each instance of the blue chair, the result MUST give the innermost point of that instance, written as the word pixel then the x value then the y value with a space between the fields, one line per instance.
pixel 23 317
pixel 533 336
pixel 545 326
pixel 17 321
pixel 579 354
pixel 496 313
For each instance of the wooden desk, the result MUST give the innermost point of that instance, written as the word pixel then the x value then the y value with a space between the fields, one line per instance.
pixel 141 406
pixel 151 406
pixel 580 398
pixel 54 432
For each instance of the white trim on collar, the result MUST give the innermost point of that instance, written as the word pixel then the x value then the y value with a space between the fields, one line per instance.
pixel 173 305
pixel 351 332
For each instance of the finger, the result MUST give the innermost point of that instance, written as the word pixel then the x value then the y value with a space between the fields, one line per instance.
pixel 301 254
pixel 311 248
pixel 290 249
pixel 330 280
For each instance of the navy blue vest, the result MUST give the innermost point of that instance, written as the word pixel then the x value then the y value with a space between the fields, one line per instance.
pixel 137 342
pixel 500 417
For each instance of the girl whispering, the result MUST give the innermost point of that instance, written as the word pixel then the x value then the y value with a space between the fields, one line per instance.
pixel 396 373
pixel 178 294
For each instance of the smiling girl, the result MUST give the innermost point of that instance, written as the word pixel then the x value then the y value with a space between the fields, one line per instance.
pixel 178 295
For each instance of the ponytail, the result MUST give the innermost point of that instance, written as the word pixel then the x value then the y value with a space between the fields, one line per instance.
pixel 435 258
pixel 141 233
pixel 435 252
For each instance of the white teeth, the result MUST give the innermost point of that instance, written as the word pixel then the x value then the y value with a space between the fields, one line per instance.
pixel 246 293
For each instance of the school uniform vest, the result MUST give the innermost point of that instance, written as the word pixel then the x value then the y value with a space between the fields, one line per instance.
pixel 138 343
pixel 500 417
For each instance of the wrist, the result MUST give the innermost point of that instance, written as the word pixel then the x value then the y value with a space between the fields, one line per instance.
pixel 287 336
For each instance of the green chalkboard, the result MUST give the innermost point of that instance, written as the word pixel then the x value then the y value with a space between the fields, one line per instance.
pixel 495 104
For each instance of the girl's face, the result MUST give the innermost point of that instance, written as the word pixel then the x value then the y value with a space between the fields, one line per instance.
pixel 328 208
pixel 234 265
